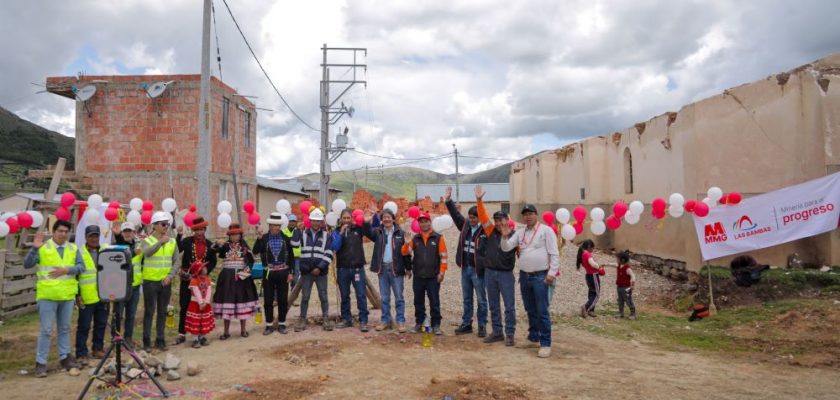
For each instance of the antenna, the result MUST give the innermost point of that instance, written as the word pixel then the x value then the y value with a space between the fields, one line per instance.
pixel 155 90
pixel 84 94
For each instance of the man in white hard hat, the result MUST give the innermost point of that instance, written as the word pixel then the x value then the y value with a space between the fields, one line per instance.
pixel 159 255
pixel 315 261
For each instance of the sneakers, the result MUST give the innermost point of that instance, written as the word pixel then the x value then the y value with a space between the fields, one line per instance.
pixel 268 330
pixel 161 345
pixel 40 370
pixel 509 341
pixel 494 338
pixel 83 361
pixel 203 340
pixel 632 317
pixel 531 344
pixel 180 339
pixel 328 325
pixel 364 327
pixel 482 331
pixel 437 331
pixel 196 343
pixel 300 325
pixel 380 327
pixel 583 311
pixel 343 324
pixel 98 354
pixel 282 329
pixel 592 314
pixel 417 329
pixel 147 345
pixel 463 330
pixel 544 352
pixel 69 362
pixel 401 328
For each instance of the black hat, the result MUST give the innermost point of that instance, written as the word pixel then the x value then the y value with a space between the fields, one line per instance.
pixel 92 229
pixel 499 215
pixel 529 208
pixel 473 211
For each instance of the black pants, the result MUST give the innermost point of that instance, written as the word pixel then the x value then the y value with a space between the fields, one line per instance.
pixel 423 287
pixel 625 295
pixel 593 282
pixel 183 303
pixel 155 299
pixel 276 285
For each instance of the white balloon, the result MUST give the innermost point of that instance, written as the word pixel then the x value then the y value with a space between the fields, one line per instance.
pixel 169 205
pixel 136 204
pixel 563 216
pixel 676 199
pixel 637 207
pixel 37 218
pixel 676 211
pixel 134 217
pixel 391 206
pixel 598 228
pixel 92 216
pixel 568 231
pixel 284 221
pixel 437 224
pixel 631 218
pixel 6 215
pixel 709 202
pixel 338 206
pixel 331 218
pixel 4 229
pixel 448 222
pixel 283 206
pixel 714 193
pixel 94 201
pixel 597 214
pixel 224 207
pixel 224 220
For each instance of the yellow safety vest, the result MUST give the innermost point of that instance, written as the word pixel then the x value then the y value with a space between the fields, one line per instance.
pixel 137 264
pixel 62 288
pixel 158 266
pixel 295 249
pixel 87 279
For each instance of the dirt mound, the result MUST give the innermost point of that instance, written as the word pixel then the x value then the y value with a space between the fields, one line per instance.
pixel 308 353
pixel 275 389
pixel 465 342
pixel 475 388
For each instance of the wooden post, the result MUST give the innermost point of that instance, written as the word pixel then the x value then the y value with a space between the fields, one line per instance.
pixel 712 307
pixel 295 292
pixel 53 189
pixel 373 294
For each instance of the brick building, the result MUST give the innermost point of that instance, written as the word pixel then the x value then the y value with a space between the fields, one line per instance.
pixel 131 145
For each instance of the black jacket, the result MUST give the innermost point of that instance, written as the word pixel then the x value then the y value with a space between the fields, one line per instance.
pixel 401 263
pixel 267 257
pixel 185 246
pixel 317 254
pixel 479 239
pixel 492 256
pixel 349 247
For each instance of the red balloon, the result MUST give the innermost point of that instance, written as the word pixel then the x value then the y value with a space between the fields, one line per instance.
pixel 724 199
pixel 62 214
pixel 701 209
pixel 24 220
pixel 305 206
pixel 249 208
pixel 553 228
pixel 306 222
pixel 193 208
pixel 254 218
pixel 13 224
pixel 414 212
pixel 111 214
pixel 188 218
pixel 620 209
pixel 579 213
pixel 734 198
pixel 578 228
pixel 148 206
pixel 659 204
pixel 67 199
pixel 358 212
pixel 146 216
pixel 512 224
pixel 359 219
pixel 548 217
pixel 690 205
pixel 613 222
pixel 114 204
pixel 658 214
pixel 415 226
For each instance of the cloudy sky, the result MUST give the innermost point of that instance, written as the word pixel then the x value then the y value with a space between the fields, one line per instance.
pixel 500 79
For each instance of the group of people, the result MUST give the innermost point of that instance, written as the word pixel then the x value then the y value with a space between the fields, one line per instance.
pixel 487 251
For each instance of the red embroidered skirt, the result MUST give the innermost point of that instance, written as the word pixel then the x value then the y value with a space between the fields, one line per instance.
pixel 199 322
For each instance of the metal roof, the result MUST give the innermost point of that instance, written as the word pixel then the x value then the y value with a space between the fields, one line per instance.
pixel 33 196
pixel 306 184
pixel 288 187
pixel 494 192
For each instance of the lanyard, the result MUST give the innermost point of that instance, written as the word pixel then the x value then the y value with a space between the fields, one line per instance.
pixel 524 242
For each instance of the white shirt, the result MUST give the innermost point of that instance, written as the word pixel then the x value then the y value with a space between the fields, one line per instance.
pixel 537 249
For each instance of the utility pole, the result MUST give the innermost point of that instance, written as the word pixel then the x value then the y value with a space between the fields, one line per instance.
pixel 366 176
pixel 457 187
pixel 203 156
pixel 330 114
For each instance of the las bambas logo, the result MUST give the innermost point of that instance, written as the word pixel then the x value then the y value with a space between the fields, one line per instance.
pixel 744 227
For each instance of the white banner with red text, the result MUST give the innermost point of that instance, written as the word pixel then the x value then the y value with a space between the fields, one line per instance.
pixel 770 219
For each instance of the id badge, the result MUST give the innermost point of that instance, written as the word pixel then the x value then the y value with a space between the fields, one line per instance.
pixel 357 277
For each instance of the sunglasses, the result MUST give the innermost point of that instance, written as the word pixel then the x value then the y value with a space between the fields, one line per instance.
pixel 163 224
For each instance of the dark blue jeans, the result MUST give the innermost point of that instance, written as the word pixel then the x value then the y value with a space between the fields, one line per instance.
pixel 535 298
pixel 347 278
pixel 127 311
pixel 501 283
pixel 426 287
pixel 96 313
pixel 471 282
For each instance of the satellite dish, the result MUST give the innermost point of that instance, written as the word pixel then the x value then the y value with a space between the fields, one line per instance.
pixel 350 111
pixel 157 89
pixel 85 93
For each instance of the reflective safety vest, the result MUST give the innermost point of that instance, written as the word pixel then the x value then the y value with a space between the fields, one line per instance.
pixel 295 246
pixel 64 287
pixel 87 279
pixel 137 264
pixel 158 266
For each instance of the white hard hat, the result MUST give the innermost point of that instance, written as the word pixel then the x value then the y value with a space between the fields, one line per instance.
pixel 316 215
pixel 128 226
pixel 160 216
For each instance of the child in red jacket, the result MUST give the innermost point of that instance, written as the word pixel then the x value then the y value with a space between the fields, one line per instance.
pixel 200 319
pixel 625 281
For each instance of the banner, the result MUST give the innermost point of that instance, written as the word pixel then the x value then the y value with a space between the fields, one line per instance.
pixel 770 219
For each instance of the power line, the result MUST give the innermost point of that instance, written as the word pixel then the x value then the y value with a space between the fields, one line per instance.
pixel 218 51
pixel 283 99
pixel 486 158
pixel 400 159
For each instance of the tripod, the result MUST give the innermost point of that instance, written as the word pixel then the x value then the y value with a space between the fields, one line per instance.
pixel 117 345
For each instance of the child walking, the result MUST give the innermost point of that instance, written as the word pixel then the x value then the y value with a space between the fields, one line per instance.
pixel 593 277
pixel 200 319
pixel 625 280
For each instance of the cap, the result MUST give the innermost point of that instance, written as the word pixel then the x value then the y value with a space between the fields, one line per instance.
pixel 424 216
pixel 529 208
pixel 316 215
pixel 499 215
pixel 292 218
pixel 275 218
pixel 92 230
pixel 127 226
